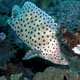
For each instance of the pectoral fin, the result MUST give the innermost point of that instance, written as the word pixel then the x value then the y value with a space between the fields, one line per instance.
pixel 31 53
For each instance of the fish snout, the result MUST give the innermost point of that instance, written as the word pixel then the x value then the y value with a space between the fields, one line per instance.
pixel 64 62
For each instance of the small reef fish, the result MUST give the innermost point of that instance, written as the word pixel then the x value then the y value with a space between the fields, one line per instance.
pixel 38 30
pixel 77 49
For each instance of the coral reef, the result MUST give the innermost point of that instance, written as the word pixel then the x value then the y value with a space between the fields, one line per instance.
pixel 3 19
pixel 69 38
pixel 56 74
pixel 14 77
pixel 67 15
pixel 50 73
pixel 44 3
pixel 12 50
pixel 6 5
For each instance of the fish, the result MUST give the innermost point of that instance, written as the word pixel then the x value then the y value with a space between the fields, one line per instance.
pixel 76 49
pixel 37 30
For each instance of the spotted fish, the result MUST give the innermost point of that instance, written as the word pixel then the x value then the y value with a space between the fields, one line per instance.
pixel 37 29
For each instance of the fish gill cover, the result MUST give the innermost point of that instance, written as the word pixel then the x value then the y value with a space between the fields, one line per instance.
pixel 38 30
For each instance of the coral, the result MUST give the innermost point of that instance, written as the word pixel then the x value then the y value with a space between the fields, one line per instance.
pixel 9 45
pixel 43 76
pixel 57 2
pixel 3 78
pixel 67 14
pixel 6 52
pixel 52 73
pixel 68 40
pixel 75 64
pixel 43 3
pixel 14 77
pixel 3 19
pixel 71 38
pixel 56 74
pixel 6 5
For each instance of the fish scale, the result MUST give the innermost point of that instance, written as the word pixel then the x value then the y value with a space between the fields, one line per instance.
pixel 38 30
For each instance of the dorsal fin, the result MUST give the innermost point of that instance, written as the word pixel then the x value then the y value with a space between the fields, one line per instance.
pixel 16 11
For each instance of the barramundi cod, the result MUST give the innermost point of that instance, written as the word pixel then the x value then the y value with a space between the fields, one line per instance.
pixel 38 30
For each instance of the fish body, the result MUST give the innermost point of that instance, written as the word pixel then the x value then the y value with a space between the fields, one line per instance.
pixel 38 30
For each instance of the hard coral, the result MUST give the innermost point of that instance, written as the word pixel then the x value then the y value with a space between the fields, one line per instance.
pixel 43 76
pixel 6 5
pixel 43 3
pixel 51 73
pixel 14 77
pixel 68 14
pixel 56 74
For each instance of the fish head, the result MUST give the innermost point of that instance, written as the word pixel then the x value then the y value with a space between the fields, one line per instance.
pixel 55 57
pixel 63 61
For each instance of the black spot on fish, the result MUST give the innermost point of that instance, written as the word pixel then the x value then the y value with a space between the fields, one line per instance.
pixel 34 35
pixel 42 36
pixel 26 19
pixel 38 38
pixel 35 41
pixel 25 29
pixel 29 26
pixel 38 33
pixel 44 32
pixel 21 30
pixel 24 25
pixel 26 35
pixel 38 28
pixel 43 40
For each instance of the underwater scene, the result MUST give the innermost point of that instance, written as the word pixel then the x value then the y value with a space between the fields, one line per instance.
pixel 39 39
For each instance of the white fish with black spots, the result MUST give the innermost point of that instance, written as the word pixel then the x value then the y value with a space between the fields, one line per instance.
pixel 38 30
